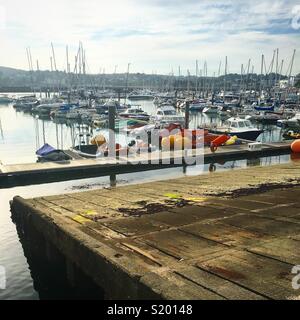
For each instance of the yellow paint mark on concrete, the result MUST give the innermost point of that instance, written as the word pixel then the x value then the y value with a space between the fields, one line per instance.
pixel 173 196
pixel 196 199
pixel 80 219
pixel 90 212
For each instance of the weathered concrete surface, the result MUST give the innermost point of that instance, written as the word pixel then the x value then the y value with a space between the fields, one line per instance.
pixel 177 239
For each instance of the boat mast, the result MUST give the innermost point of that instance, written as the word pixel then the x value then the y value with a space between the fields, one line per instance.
pixel 53 55
pixel 30 68
pixel 196 86
pixel 68 74
pixel 247 78
pixel 241 84
pixel 225 74
pixel 188 82
pixel 280 71
pixel 126 85
pixel 290 69
pixel 206 87
pixel 261 74
pixel 55 67
pixel 1 129
pixel 277 53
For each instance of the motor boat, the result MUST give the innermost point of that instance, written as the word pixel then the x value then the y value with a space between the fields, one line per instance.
pixel 197 105
pixel 292 122
pixel 263 106
pixel 213 109
pixel 4 98
pixel 289 135
pixel 103 108
pixel 167 114
pixel 141 95
pixel 45 109
pixel 135 113
pixel 266 117
pixel 26 103
pixel 239 127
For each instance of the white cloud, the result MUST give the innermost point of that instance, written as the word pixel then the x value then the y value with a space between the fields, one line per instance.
pixel 151 34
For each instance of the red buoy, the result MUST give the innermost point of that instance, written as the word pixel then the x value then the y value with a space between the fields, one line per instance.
pixel 218 142
pixel 295 146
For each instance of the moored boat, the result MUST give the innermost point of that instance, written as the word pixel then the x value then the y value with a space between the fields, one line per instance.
pixel 135 113
pixel 239 127
pixel 167 114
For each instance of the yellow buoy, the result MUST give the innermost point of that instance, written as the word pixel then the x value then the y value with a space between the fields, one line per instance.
pixel 182 142
pixel 98 140
pixel 168 142
pixel 231 141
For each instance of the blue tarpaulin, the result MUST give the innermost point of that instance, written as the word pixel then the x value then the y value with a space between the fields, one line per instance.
pixel 45 149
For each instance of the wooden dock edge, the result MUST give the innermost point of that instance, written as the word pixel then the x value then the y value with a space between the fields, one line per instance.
pixel 64 173
pixel 101 267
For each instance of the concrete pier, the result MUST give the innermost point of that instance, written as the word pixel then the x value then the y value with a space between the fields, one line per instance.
pixel 227 235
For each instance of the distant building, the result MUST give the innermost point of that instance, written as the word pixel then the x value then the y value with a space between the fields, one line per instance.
pixel 285 83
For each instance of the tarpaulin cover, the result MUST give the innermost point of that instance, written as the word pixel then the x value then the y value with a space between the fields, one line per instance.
pixel 44 150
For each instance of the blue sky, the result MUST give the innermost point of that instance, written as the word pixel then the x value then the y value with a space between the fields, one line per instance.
pixel 153 35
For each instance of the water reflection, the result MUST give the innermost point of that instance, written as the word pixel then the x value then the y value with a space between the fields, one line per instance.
pixel 22 133
pixel 54 277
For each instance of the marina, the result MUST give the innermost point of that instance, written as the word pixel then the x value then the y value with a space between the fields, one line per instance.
pixel 149 150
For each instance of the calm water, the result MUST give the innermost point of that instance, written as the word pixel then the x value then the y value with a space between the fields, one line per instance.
pixel 18 142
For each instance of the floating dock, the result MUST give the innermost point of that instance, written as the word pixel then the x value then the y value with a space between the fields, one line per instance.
pixel 224 235
pixel 79 168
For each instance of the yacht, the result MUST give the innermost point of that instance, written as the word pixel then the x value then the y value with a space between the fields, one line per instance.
pixel 103 108
pixel 45 109
pixel 197 105
pixel 294 121
pixel 135 113
pixel 26 103
pixel 167 114
pixel 213 109
pixel 141 95
pixel 263 106
pixel 4 98
pixel 239 127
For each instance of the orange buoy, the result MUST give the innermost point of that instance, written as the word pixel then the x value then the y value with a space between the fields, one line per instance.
pixel 295 146
pixel 295 157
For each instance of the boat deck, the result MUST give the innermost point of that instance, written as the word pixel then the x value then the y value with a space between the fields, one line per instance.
pixel 181 238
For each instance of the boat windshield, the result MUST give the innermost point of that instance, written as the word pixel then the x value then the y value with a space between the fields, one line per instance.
pixel 170 112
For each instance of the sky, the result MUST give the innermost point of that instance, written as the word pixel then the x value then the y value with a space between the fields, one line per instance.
pixel 154 36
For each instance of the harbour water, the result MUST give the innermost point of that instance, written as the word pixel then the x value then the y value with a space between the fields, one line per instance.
pixel 22 134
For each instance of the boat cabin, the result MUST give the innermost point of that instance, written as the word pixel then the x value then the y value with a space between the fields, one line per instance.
pixel 166 111
pixel 238 123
